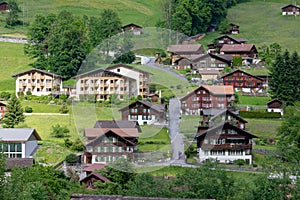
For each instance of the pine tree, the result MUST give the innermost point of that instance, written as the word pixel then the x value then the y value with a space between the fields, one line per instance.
pixel 15 113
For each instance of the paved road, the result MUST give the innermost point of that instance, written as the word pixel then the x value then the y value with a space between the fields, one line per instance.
pixel 13 40
pixel 152 64
pixel 176 138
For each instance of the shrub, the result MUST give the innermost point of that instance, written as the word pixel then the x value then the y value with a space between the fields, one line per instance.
pixel 63 97
pixel 257 114
pixel 240 162
pixel 28 109
pixel 6 95
pixel 71 158
pixel 20 94
pixel 77 145
pixel 28 93
pixel 254 165
pixel 64 109
pixel 59 131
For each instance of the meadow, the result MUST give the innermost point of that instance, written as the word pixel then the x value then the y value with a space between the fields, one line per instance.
pixel 143 13
pixel 261 23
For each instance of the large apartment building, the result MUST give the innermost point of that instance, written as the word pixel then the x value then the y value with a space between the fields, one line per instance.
pixel 103 83
pixel 38 82
pixel 142 77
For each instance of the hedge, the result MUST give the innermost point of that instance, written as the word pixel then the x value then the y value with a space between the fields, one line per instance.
pixel 257 114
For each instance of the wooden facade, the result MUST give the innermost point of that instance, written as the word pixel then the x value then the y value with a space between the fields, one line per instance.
pixel 4 6
pixel 135 29
pixel 144 112
pixel 290 10
pixel 226 39
pixel 207 97
pixel 109 145
pixel 275 105
pixel 234 28
pixel 243 81
pixel 239 50
pixel 224 142
pixel 89 180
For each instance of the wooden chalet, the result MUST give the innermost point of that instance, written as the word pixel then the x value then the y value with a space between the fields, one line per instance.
pixel 290 10
pixel 89 180
pixel 246 51
pixel 185 50
pixel 4 6
pixel 135 29
pixel 275 105
pixel 234 28
pixel 107 145
pixel 207 97
pixel 122 124
pixel 154 97
pixel 226 39
pixel 225 143
pixel 244 82
pixel 144 112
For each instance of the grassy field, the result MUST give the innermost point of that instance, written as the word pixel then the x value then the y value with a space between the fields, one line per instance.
pixel 261 23
pixel 253 100
pixel 144 13
pixel 13 61
pixel 263 127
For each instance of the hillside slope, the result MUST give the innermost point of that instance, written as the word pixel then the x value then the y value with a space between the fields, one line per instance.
pixel 144 13
pixel 261 23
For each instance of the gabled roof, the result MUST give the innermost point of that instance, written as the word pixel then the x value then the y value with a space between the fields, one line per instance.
pixel 109 124
pixel 128 67
pixel 17 134
pixel 18 162
pixel 156 107
pixel 237 40
pixel 226 111
pixel 214 90
pixel 273 101
pixel 102 71
pixel 238 70
pixel 115 132
pixel 237 47
pixel 225 58
pixel 37 70
pixel 232 24
pixel 289 6
pixel 95 175
pixel 2 103
pixel 122 132
pixel 226 125
pixel 182 48
pixel 94 167
pixel 131 24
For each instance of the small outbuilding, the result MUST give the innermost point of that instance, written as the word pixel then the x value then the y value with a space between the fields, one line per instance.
pixel 275 105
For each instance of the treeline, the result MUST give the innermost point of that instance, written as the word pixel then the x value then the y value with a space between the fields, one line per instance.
pixel 285 78
pixel 194 16
pixel 60 43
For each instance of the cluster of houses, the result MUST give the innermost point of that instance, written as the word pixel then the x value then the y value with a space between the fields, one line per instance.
pixel 121 80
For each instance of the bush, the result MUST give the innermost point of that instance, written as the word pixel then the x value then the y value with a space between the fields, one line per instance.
pixel 71 158
pixel 240 162
pixel 28 109
pixel 60 131
pixel 257 114
pixel 6 95
pixel 64 109
pixel 28 93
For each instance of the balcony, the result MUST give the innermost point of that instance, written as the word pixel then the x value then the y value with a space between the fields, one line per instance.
pixel 226 146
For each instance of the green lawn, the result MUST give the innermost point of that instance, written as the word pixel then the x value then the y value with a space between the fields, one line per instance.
pixel 261 23
pixel 13 61
pixel 41 107
pixel 153 139
pixel 144 13
pixel 263 127
pixel 253 100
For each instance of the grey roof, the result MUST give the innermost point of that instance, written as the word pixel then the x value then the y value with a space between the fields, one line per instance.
pixel 157 107
pixel 38 70
pixel 117 124
pixel 211 112
pixel 18 162
pixel 17 134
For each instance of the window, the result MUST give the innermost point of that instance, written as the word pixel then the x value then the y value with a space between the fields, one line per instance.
pixel 205 141
pixel 118 70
